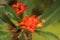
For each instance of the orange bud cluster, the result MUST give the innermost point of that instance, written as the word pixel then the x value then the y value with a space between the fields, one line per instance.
pixel 29 23
pixel 19 8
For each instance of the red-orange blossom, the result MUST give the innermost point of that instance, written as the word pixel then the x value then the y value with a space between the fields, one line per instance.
pixel 29 23
pixel 19 8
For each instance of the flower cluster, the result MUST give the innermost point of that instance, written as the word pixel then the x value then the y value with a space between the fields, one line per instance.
pixel 27 23
pixel 30 23
pixel 19 8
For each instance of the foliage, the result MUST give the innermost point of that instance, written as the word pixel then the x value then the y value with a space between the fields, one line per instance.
pixel 9 29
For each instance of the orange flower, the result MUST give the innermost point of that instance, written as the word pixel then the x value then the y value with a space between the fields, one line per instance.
pixel 29 23
pixel 19 8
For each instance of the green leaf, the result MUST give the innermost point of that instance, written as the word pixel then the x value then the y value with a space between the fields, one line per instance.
pixel 44 36
pixel 11 12
pixel 52 14
pixel 5 36
pixel 54 17
pixel 53 36
pixel 5 18
pixel 3 25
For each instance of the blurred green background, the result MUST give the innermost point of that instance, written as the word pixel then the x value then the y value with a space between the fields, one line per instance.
pixel 46 9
